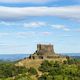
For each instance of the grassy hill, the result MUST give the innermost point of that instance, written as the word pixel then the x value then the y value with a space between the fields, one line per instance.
pixel 35 63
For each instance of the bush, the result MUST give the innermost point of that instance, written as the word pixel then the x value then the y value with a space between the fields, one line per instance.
pixel 10 70
pixel 32 71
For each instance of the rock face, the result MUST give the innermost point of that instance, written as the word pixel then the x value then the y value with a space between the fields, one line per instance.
pixel 44 52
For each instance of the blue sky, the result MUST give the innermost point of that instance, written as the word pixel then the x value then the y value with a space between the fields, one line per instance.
pixel 25 23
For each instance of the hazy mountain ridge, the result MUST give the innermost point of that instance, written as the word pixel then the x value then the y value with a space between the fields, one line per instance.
pixel 22 56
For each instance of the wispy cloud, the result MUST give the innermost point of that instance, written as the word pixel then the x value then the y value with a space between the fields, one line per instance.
pixel 37 24
pixel 31 24
pixel 16 13
pixel 34 24
pixel 60 27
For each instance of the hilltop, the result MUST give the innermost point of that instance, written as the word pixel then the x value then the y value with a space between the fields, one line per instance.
pixel 43 52
pixel 43 64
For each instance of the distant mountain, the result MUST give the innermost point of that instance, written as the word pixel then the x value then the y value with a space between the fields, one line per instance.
pixel 13 57
pixel 71 54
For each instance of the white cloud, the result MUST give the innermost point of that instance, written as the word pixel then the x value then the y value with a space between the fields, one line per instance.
pixel 32 1
pixel 19 13
pixel 34 24
pixel 25 24
pixel 61 27
pixel 37 24
pixel 58 26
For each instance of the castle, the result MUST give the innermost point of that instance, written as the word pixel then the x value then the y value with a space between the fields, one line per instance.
pixel 45 52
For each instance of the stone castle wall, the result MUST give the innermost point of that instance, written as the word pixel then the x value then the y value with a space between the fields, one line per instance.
pixel 44 52
pixel 43 47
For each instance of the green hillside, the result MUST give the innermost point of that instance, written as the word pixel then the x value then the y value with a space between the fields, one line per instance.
pixel 46 70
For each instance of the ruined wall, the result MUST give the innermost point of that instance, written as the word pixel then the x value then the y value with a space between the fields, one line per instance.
pixel 47 48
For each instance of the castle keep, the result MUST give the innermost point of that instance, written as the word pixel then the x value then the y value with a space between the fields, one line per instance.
pixel 45 49
pixel 44 52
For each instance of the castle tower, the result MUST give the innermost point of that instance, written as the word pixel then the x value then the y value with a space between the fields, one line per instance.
pixel 45 49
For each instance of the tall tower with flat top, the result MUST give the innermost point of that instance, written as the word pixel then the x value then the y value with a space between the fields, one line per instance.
pixel 43 49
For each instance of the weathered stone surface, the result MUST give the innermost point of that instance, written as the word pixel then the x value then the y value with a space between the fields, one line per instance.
pixel 44 52
pixel 43 49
